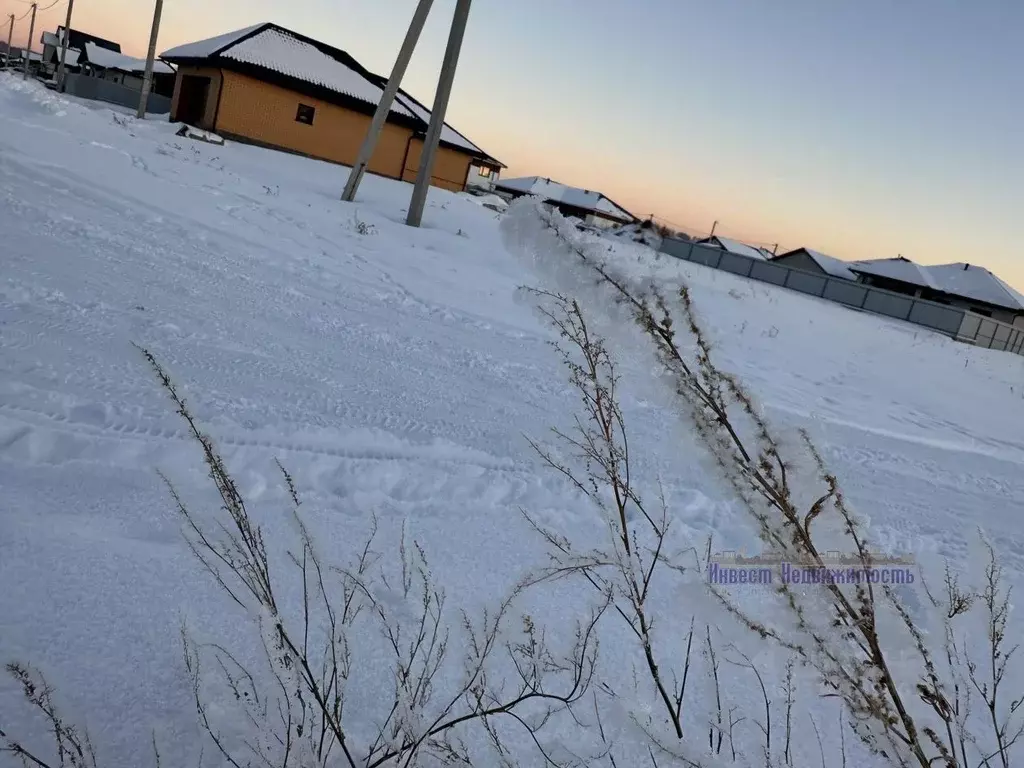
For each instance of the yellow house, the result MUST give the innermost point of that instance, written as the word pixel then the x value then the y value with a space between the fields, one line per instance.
pixel 272 87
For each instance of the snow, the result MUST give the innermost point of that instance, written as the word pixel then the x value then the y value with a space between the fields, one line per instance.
pixel 101 57
pixel 202 49
pixel 279 51
pixel 487 200
pixel 586 199
pixel 396 373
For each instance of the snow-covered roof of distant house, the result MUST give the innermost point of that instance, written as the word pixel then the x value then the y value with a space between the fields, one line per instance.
pixel 973 282
pixel 735 246
pixel 102 57
pixel 71 58
pixel 586 199
pixel 830 265
pixel 901 269
pixel 77 39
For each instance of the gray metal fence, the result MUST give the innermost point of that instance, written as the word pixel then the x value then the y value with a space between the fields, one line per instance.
pixel 98 89
pixel 956 322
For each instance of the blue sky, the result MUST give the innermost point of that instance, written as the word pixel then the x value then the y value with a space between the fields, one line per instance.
pixel 864 128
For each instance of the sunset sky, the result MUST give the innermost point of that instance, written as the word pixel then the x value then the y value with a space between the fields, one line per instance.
pixel 864 129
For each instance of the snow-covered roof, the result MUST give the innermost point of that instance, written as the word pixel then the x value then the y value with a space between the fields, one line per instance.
pixel 735 246
pixel 830 265
pixel 973 282
pixel 101 57
pixel 586 199
pixel 448 134
pixel 202 49
pixel 70 57
pixel 51 39
pixel 278 50
pixel 900 269
pixel 959 279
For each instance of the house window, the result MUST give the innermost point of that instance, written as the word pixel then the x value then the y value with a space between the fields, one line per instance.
pixel 485 173
pixel 305 114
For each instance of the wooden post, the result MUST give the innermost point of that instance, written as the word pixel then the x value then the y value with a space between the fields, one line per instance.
pixel 147 81
pixel 437 113
pixel 412 36
pixel 28 45
pixel 64 48
pixel 10 36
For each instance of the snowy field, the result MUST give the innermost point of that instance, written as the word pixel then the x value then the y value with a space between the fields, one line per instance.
pixel 395 372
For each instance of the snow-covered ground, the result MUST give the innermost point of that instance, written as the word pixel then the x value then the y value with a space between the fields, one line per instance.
pixel 395 372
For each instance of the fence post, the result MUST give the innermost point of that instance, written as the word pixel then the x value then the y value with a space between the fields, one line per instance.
pixel 911 311
pixel 750 268
pixel 824 287
pixel 785 280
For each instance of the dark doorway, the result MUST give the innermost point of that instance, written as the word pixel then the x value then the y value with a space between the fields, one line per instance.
pixel 192 101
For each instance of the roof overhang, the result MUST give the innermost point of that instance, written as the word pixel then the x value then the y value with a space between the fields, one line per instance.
pixel 303 87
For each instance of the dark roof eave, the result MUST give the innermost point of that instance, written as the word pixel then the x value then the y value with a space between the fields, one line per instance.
pixel 295 84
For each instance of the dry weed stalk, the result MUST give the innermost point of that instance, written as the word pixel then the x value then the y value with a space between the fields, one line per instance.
pixel 72 747
pixel 302 721
pixel 848 651
pixel 625 570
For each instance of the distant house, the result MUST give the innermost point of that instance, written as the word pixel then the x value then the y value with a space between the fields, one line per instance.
pixel 593 208
pixel 96 61
pixel 77 40
pixel 735 246
pixel 960 285
pixel 51 53
pixel 814 261
pixel 272 87
pixel 16 59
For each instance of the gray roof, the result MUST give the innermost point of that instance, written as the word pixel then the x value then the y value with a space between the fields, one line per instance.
pixel 958 279
pixel 735 246
pixel 976 283
pixel 830 265
pixel 900 269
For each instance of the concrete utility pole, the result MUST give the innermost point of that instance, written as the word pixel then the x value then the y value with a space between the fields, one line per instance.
pixel 355 176
pixel 147 82
pixel 10 36
pixel 28 45
pixel 64 47
pixel 444 91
